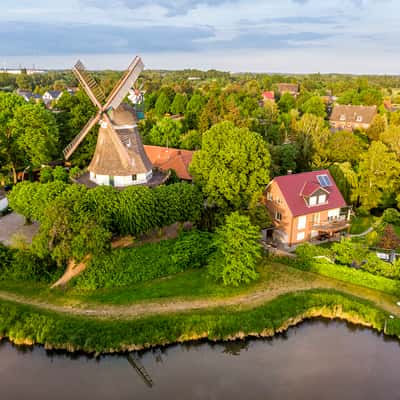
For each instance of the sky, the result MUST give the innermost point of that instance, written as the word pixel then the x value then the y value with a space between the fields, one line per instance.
pixel 288 36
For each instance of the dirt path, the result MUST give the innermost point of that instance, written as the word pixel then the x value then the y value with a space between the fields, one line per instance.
pixel 263 294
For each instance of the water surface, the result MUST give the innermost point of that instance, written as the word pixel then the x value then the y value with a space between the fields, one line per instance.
pixel 316 360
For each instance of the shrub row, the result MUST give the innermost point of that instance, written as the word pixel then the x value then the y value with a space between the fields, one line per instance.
pixel 344 273
pixel 135 210
pixel 23 323
pixel 138 264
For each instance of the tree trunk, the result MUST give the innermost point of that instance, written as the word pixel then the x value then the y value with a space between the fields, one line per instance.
pixel 14 171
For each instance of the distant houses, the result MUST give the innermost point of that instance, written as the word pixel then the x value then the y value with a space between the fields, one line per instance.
pixel 291 88
pixel 352 117
pixel 48 97
pixel 305 206
pixel 52 95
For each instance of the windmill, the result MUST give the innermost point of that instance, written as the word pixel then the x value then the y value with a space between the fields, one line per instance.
pixel 119 159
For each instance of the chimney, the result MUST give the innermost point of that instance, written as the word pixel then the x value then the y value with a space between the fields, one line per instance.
pixel 289 172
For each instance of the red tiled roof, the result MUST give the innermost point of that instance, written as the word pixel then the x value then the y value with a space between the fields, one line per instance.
pixel 292 188
pixel 268 95
pixel 166 158
pixel 309 188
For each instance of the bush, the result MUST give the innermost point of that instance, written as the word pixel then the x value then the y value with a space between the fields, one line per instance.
pixel 151 261
pixel 24 265
pixel 376 266
pixel 391 216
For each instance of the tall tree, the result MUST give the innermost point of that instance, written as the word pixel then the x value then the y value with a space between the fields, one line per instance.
pixel 162 105
pixel 178 106
pixel 237 251
pixel 232 167
pixel 378 175
pixel 37 134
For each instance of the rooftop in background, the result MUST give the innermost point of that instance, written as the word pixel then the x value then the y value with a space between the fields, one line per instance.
pixel 292 88
pixel 166 158
pixel 268 95
pixel 295 186
pixel 353 114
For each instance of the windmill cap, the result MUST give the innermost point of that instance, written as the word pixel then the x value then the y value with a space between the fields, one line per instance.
pixel 123 115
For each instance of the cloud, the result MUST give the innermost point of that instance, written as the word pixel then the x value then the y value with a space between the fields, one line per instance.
pixel 51 39
pixel 173 7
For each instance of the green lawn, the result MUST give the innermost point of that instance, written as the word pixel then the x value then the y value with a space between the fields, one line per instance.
pixel 189 285
pixel 361 224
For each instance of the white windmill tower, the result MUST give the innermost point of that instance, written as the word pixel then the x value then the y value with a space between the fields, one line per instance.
pixel 119 159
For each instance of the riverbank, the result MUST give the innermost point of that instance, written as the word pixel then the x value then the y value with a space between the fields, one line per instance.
pixel 24 324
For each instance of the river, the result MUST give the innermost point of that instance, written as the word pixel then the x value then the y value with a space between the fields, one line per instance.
pixel 316 360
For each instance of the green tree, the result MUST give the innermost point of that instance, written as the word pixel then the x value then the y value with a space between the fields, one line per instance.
pixel 24 81
pixel 377 127
pixel 166 132
pixel 344 146
pixel 378 174
pixel 162 105
pixel 237 251
pixel 314 105
pixel 286 103
pixel 37 134
pixel 391 137
pixel 193 110
pixel 346 179
pixel 10 155
pixel 232 167
pixel 178 106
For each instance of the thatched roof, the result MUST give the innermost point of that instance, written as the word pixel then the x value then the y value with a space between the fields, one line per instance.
pixel 120 154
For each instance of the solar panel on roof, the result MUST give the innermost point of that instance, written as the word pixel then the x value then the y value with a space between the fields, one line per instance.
pixel 324 180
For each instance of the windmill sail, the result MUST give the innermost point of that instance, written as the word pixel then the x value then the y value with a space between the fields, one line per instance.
pixel 82 134
pixel 90 86
pixel 126 82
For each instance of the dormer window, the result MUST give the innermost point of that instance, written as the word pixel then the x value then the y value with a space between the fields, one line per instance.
pixel 322 199
pixel 359 118
pixel 313 200
pixel 342 117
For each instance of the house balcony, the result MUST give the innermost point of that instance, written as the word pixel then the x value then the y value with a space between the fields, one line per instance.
pixel 332 226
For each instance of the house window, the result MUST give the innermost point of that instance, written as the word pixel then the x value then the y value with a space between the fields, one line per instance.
pixel 313 200
pixel 301 223
pixel 134 177
pixel 359 118
pixel 269 196
pixel 316 218
pixel 278 216
pixel 343 117
pixel 300 236
pixel 333 215
pixel 322 199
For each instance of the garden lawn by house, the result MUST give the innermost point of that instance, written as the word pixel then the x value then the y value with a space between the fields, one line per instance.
pixel 361 224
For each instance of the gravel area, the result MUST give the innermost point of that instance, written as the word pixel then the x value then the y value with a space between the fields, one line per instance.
pixel 14 225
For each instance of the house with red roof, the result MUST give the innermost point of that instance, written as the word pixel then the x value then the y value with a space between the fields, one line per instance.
pixel 268 95
pixel 306 206
pixel 165 158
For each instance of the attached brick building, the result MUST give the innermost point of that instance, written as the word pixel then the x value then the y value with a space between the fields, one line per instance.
pixel 305 206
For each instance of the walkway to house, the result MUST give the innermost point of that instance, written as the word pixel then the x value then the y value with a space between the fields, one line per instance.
pixel 354 235
pixel 12 226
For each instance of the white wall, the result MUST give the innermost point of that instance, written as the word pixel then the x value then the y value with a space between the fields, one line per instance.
pixel 121 181
pixel 3 203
